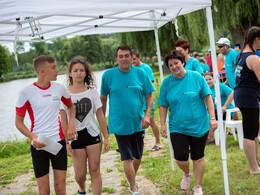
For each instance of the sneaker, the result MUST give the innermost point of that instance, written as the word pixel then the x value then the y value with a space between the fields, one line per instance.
pixel 210 142
pixel 197 190
pixel 135 193
pixel 117 149
pixel 81 193
pixel 131 187
pixel 185 182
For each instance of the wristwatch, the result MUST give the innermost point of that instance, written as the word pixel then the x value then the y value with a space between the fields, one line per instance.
pixel 213 118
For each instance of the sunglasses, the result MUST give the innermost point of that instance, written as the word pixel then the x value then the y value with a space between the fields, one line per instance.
pixel 78 61
pixel 220 46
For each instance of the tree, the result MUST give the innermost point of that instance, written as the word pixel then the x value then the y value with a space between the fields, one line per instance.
pixel 5 64
pixel 235 16
pixel 144 41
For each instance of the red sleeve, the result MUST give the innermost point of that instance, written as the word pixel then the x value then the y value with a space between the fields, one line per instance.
pixel 66 101
pixel 21 111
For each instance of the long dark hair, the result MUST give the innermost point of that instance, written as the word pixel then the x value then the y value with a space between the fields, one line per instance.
pixel 89 79
pixel 250 35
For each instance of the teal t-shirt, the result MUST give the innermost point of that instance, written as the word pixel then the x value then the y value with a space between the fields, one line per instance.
pixel 230 60
pixel 194 64
pixel 126 91
pixel 205 68
pixel 224 93
pixel 149 71
pixel 185 99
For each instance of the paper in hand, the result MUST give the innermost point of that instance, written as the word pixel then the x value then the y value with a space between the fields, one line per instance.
pixel 50 145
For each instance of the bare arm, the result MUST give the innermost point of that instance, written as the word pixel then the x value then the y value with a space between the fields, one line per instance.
pixel 71 131
pixel 210 106
pixel 229 100
pixel 253 63
pixel 163 113
pixel 64 124
pixel 149 105
pixel 104 103
pixel 103 125
pixel 19 122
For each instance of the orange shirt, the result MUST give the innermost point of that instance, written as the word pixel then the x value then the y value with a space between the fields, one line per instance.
pixel 220 65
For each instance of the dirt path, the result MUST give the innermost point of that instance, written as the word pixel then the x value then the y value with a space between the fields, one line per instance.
pixel 111 177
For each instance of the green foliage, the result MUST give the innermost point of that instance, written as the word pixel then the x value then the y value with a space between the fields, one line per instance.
pixel 4 61
pixel 108 190
pixel 14 148
pixel 144 41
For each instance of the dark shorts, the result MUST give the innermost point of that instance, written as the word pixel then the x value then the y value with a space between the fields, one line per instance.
pixel 85 139
pixel 250 122
pixel 183 143
pixel 131 146
pixel 41 160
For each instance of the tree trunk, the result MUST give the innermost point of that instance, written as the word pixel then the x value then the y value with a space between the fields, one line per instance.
pixel 237 35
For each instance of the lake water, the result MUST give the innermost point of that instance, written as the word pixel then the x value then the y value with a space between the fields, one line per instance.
pixel 8 96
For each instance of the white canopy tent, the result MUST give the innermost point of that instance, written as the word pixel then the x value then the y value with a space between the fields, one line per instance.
pixel 34 21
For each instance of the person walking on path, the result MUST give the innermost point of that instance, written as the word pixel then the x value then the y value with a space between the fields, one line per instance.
pixel 126 86
pixel 42 101
pixel 136 60
pixel 230 60
pixel 247 95
pixel 183 46
pixel 89 143
pixel 192 115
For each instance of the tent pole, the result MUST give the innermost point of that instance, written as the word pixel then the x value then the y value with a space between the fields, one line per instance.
pixel 161 76
pixel 218 100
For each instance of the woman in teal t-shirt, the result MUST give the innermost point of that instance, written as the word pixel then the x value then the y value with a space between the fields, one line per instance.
pixel 226 95
pixel 186 94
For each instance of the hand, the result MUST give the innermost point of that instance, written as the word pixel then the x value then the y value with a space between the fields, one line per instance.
pixel 213 124
pixel 68 147
pixel 145 122
pixel 36 143
pixel 71 132
pixel 106 145
pixel 164 132
pixel 224 109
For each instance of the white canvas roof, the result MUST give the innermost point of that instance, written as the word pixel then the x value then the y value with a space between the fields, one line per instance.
pixel 55 18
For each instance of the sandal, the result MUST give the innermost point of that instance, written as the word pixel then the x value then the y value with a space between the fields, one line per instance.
pixel 155 148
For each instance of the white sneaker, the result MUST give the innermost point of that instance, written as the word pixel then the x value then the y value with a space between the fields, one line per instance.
pixel 135 193
pixel 197 190
pixel 185 182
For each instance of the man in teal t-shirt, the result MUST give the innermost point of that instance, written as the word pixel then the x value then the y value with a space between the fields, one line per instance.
pixel 136 60
pixel 126 86
pixel 230 60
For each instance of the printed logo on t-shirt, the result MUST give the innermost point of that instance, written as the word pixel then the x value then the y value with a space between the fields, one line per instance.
pixel 82 108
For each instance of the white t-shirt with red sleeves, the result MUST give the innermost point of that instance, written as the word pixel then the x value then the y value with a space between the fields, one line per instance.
pixel 42 105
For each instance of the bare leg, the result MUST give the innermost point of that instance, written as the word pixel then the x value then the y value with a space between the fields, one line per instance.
pixel 250 151
pixel 136 164
pixel 257 151
pixel 94 154
pixel 79 159
pixel 59 181
pixel 156 132
pixel 198 168
pixel 130 173
pixel 43 185
pixel 184 166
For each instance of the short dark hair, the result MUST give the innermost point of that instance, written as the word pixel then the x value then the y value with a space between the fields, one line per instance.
pixel 182 43
pixel 135 52
pixel 124 47
pixel 201 60
pixel 41 61
pixel 208 74
pixel 174 55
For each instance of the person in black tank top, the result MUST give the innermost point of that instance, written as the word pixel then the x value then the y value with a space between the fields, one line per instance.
pixel 247 95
